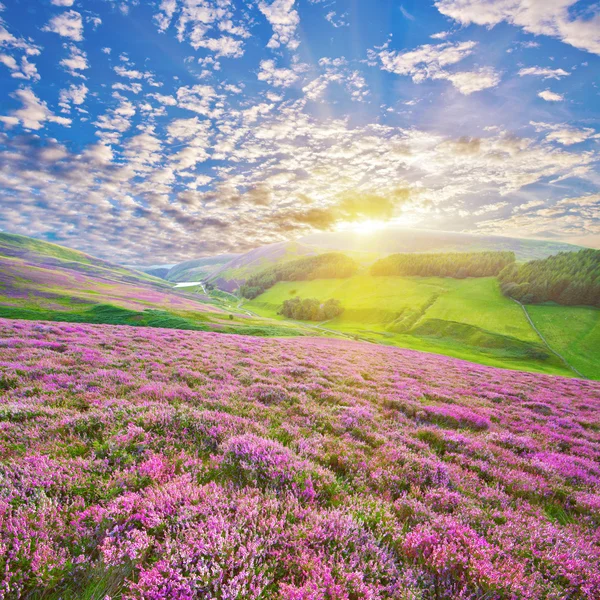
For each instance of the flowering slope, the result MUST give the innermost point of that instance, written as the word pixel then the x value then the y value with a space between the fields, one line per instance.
pixel 142 463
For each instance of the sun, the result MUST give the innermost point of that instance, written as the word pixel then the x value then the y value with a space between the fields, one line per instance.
pixel 367 227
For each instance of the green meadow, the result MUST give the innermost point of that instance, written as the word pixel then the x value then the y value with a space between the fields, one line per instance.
pixel 573 332
pixel 464 318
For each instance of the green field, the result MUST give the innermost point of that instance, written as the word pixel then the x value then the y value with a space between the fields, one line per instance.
pixel 573 332
pixel 467 318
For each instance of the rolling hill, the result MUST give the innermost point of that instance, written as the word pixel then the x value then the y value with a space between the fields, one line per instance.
pixel 467 318
pixel 365 249
pixel 44 281
pixel 48 281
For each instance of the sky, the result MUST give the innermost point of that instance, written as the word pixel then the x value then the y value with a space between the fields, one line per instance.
pixel 150 132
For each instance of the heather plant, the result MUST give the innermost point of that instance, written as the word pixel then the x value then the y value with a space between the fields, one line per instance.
pixel 138 463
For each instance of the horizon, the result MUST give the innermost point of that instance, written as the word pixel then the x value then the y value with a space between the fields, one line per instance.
pixel 176 129
pixel 362 236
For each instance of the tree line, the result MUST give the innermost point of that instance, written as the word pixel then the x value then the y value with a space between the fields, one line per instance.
pixel 450 264
pixel 569 278
pixel 333 265
pixel 311 309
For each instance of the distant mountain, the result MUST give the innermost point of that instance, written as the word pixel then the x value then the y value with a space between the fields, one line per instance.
pixel 37 275
pixel 197 269
pixel 393 240
pixel 366 249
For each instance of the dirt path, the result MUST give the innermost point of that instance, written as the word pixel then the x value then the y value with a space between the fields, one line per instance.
pixel 539 333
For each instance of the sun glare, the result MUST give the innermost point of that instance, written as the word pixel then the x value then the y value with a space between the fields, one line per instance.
pixel 367 227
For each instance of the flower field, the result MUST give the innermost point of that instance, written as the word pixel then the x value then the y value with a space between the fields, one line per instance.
pixel 146 463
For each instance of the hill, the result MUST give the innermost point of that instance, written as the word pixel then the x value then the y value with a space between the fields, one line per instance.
pixel 40 280
pixel 198 269
pixel 366 249
pixel 569 278
pixel 140 463
pixel 465 318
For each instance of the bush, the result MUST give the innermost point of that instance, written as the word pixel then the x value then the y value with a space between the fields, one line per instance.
pixel 311 309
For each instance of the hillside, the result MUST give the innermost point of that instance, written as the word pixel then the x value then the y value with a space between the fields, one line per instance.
pixel 569 278
pixel 45 281
pixel 465 318
pixel 366 249
pixel 198 269
pixel 143 464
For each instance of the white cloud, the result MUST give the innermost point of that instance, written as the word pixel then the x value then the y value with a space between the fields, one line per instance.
pixel 130 73
pixel 429 62
pixel 197 98
pixel 549 96
pixel 544 72
pixel 468 82
pixel 33 113
pixel 564 134
pixel 62 2
pixel 67 24
pixel 75 62
pixel 541 17
pixel 425 60
pixel 284 20
pixel 406 14
pixel 22 70
pixel 278 77
pixel 115 122
pixel 223 46
pixel 198 20
pixel 337 20
pixel 75 94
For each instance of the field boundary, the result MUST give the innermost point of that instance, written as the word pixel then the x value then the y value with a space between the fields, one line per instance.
pixel 539 333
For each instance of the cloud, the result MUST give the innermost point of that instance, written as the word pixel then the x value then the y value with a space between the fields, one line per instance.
pixel 33 113
pixel 62 2
pixel 67 24
pixel 22 70
pixel 197 98
pixel 544 72
pixel 468 82
pixel 223 46
pixel 199 21
pixel 284 20
pixel 277 77
pixel 549 96
pixel 75 62
pixel 406 14
pixel 425 60
pixel 337 71
pixel 540 17
pixel 574 218
pixel 564 134
pixel 430 62
pixel 337 20
pixel 75 94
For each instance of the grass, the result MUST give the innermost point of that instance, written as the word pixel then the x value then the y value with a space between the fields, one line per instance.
pixel 468 319
pixel 40 247
pixel 193 321
pixel 574 332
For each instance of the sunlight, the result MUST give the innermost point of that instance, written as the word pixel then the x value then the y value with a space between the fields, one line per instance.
pixel 367 227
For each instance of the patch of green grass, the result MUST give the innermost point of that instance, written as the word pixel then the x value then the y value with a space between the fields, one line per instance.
pixel 468 319
pixel 574 332
pixel 41 247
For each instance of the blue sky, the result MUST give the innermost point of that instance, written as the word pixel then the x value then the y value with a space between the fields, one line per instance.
pixel 151 132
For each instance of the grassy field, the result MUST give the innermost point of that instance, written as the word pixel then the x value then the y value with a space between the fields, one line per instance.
pixel 574 332
pixel 468 319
